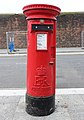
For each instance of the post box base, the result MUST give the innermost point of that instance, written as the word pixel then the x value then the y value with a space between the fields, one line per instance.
pixel 40 106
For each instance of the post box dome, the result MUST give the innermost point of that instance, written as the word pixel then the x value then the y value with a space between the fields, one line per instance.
pixel 41 11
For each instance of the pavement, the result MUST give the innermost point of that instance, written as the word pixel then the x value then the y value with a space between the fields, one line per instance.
pixel 59 51
pixel 70 49
pixel 17 51
pixel 69 103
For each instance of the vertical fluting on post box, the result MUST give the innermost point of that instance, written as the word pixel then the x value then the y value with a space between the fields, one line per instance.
pixel 41 57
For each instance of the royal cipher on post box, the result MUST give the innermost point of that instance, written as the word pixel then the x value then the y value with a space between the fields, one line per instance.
pixel 41 57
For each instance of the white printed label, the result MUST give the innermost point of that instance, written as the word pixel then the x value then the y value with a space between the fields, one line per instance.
pixel 41 41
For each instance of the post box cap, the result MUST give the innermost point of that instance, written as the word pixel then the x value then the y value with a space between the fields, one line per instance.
pixel 41 10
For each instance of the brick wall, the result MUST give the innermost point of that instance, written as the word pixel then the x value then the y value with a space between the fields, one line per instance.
pixel 11 22
pixel 69 27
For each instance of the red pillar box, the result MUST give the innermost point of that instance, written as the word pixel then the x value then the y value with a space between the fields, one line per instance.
pixel 41 73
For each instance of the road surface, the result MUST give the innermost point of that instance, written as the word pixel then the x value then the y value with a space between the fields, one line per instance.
pixel 12 72
pixel 70 71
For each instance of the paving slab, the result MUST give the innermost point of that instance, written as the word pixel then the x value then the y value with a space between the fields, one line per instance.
pixel 67 107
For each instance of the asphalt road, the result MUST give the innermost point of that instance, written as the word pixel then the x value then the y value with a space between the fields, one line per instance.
pixel 12 72
pixel 70 71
